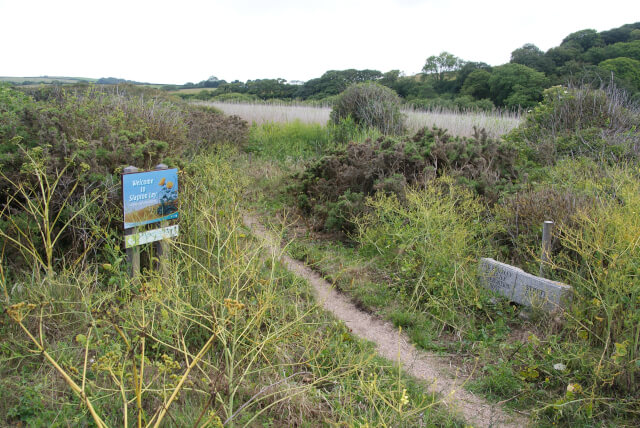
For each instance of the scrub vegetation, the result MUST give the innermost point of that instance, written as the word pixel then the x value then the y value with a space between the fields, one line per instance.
pixel 394 212
pixel 227 337
pixel 398 222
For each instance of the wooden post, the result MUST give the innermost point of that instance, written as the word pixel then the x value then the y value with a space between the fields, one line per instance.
pixel 133 253
pixel 162 246
pixel 547 231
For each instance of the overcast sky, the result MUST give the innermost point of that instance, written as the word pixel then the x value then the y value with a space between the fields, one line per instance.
pixel 188 40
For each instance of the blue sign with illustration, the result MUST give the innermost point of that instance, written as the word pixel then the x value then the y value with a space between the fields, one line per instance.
pixel 149 197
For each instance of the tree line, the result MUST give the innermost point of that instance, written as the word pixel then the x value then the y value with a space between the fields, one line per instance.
pixel 451 82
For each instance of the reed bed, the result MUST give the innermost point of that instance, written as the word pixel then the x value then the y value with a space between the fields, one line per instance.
pixel 272 112
pixel 460 123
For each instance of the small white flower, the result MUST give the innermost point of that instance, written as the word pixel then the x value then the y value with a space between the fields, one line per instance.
pixel 560 367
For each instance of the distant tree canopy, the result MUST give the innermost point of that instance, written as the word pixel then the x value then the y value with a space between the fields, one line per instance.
pixel 513 85
pixel 477 84
pixel 531 56
pixel 624 68
pixel 448 81
pixel 583 40
pixel 334 82
pixel 441 64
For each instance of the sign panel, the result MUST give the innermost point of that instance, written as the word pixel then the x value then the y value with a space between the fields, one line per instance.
pixel 150 236
pixel 149 197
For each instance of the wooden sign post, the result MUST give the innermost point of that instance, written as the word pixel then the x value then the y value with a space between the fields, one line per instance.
pixel 149 197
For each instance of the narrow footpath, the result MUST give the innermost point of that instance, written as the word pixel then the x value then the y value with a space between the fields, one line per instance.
pixel 396 347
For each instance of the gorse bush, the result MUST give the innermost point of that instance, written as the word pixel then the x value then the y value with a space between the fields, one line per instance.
pixel 333 188
pixel 370 105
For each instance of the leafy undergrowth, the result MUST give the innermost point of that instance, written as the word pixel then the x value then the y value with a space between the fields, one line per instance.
pixel 228 337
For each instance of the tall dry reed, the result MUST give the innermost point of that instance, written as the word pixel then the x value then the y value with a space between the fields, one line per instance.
pixel 462 123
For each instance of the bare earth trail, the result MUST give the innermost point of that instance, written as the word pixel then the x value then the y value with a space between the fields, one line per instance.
pixel 394 346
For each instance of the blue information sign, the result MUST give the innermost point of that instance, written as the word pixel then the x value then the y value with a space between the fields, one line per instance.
pixel 149 197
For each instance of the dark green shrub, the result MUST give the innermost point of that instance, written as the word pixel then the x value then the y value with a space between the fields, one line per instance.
pixel 207 126
pixel 389 164
pixel 370 105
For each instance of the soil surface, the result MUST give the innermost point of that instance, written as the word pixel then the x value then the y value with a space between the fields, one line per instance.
pixel 438 372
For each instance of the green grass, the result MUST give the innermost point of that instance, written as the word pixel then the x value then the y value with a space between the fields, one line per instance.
pixel 288 142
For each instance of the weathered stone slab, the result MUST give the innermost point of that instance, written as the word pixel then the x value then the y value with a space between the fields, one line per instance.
pixel 523 288
pixel 498 277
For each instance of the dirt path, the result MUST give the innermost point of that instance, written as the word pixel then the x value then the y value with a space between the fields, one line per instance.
pixel 394 346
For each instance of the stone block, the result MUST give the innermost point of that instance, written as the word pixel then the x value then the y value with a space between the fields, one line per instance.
pixel 523 288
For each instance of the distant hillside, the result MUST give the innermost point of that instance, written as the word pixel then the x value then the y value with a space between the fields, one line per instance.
pixel 118 81
pixel 38 80
pixel 17 80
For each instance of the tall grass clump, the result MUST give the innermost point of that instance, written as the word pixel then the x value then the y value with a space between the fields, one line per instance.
pixel 459 123
pixel 603 269
pixel 463 123
pixel 258 113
